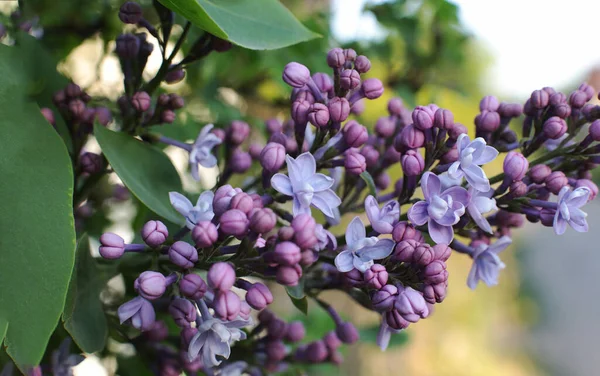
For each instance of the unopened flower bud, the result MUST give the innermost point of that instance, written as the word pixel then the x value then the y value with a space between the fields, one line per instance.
pixel 263 221
pixel 158 332
pixel 355 135
pixel 192 286
pixel 489 103
pixel 130 13
pixel 347 332
pixel 141 101
pixel 300 110
pixel 150 285
pixel 316 352
pixel 423 118
pixel 183 255
pixel 295 331
pixel 339 109
pixel 539 173
pixel 139 312
pixel 175 101
pixel 221 276
pixel 354 278
pixel 443 119
pixel 272 156
pixel 508 219
pixel 112 246
pixel 411 305
pixel 103 115
pixel 259 296
pixel 174 76
pixel 288 275
pixel 457 130
pixel 376 277
pixel 395 106
pixel 227 305
pixel 487 121
pixel 539 99
pixel 336 58
pixel 394 320
pixel 515 166
pixel 275 351
pixel 594 130
pixel 372 88
pixel 382 181
pixel 354 162
pixel 423 254
pixel 404 251
pixel 204 234
pixel 183 312
pixel 77 107
pixel 409 138
pixel 405 231
pixel 435 272
pixel 240 161
pixel 412 163
pixel 510 110
pixel 362 64
pixel 518 189
pixel 441 252
pixel 383 300
pixel 555 181
pixel 238 132
pixel 286 253
pixel 319 115
pixel 358 107
pixel 577 99
pixel 323 82
pixel 296 75
pixel 128 46
pixel 435 293
pixel 547 217
pixel 285 233
pixel 234 222
pixel 91 163
pixel 562 110
pixel 385 126
pixel 371 155
pixel 154 233
pixel 304 231
pixel 589 185
pixel 349 79
pixel 554 128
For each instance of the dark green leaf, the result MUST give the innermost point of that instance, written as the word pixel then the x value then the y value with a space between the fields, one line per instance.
pixel 256 24
pixel 296 294
pixel 369 335
pixel 37 242
pixel 83 316
pixel 144 169
pixel 370 183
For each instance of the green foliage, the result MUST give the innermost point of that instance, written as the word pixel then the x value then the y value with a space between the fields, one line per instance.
pixel 297 296
pixel 144 169
pixel 257 24
pixel 38 239
pixel 83 316
pixel 370 183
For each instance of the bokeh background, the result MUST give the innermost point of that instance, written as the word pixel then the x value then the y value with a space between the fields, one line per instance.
pixel 541 318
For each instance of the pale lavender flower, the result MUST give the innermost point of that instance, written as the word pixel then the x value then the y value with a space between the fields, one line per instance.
pixel 203 211
pixel 441 210
pixel 233 369
pixel 384 219
pixel 306 186
pixel 448 182
pixel 139 312
pixel 568 210
pixel 384 335
pixel 325 239
pixel 361 250
pixel 480 204
pixel 201 152
pixel 214 338
pixel 486 263
pixel 471 155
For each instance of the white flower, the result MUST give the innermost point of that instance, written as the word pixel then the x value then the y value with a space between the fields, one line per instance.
pixel 471 155
pixel 201 153
pixel 203 211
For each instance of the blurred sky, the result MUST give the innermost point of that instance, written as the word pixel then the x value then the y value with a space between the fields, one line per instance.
pixel 534 43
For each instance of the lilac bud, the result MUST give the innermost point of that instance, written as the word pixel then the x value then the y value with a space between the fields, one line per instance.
pixel 318 115
pixel 336 58
pixel 554 128
pixel 487 121
pixel 186 335
pixel 595 130
pixel 435 293
pixel 285 233
pixel 404 251
pixel 221 276
pixel 183 255
pixel 395 107
pixel 376 277
pixel 286 253
pixel 371 155
pixel 443 119
pixel 441 252
pixel 227 305
pixel 288 275
pixel 423 254
pixel 234 222
pixel 382 181
pixel 272 156
pixel 300 110
pixel 259 296
pixel 295 331
pixel 577 99
pixel 130 13
pixel 48 115
pixel 557 99
pixel 103 115
pixel 547 217
pixel 174 76
pixel 358 107
pixel 176 102
pixel 183 312
pixel 192 286
pixel 355 135
pixel 385 126
pixel 409 138
pixel 139 313
pixel 316 352
pixel 154 233
pixel 273 126
pixel 412 163
pixel 354 162
pixel 372 88
pixel 515 166
pixel 112 246
pixel 304 231
pixel 296 75
pixel 77 107
pixel 167 116
pixel 238 132
pixel 588 90
pixel 489 103
pixel 332 341
pixel 91 163
pixel 242 202
pixel 457 130
pixel 350 54
pixel 254 150
pixel 354 278
pixel 518 189
pixel 383 300
pixel 539 173
pixel 555 181
pixel 510 110
pixel 275 351
pixel 323 82
pixel 150 285
pixel 159 332
pixel 422 118
pixel 562 110
pixel 339 109
pixel 362 64
pixel 395 320
pixel 405 231
pixel 347 332
pixel 141 101
pixel 245 310
pixel 435 272
pixel 350 79
pixel 128 46
pixel 276 328
pixel 411 305
pixel 539 99
pixel 263 221
pixel 204 234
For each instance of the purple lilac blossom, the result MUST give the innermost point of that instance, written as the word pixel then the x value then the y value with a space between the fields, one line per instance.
pixel 201 153
pixel 568 211
pixel 214 338
pixel 441 210
pixel 471 155
pixel 384 219
pixel 486 263
pixel 203 211
pixel 480 204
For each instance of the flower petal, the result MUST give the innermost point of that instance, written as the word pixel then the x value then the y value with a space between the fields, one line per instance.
pixel 307 165
pixel 578 197
pixel 329 196
pixel 362 264
pixel 418 213
pixel 487 155
pixel 560 225
pixel 208 161
pixel 383 336
pixel 320 182
pixel 382 249
pixel 344 261
pixel 180 203
pixel 472 277
pixel 130 308
pixel 355 232
pixel 458 194
pixel 440 234
pixel 500 245
pixel 298 208
pixel 206 197
pixel 321 204
pixel 462 142
pixel 479 219
pixel 282 184
pixel 372 209
pixel 476 178
pixel 430 184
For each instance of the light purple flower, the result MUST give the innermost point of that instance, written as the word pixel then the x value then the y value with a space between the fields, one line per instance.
pixel 306 186
pixel 552 145
pixel 325 239
pixel 384 335
pixel 479 204
pixel 448 182
pixel 486 263
pixel 441 210
pixel 471 155
pixel 384 219
pixel 361 250
pixel 203 211
pixel 233 369
pixel 214 338
pixel 568 210
pixel 201 153
pixel 139 312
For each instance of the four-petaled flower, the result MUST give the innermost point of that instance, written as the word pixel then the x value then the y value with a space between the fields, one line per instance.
pixel 201 152
pixel 306 186
pixel 486 263
pixel 203 211
pixel 568 210
pixel 471 155
pixel 138 312
pixel 441 210
pixel 383 220
pixel 214 338
pixel 361 250
pixel 479 204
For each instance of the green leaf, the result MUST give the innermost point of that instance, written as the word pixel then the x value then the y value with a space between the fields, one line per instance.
pixel 296 294
pixel 37 236
pixel 84 315
pixel 369 335
pixel 256 24
pixel 144 169
pixel 370 183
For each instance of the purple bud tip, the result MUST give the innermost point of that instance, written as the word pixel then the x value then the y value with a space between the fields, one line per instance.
pixel 349 79
pixel 155 233
pixel 130 13
pixel 175 101
pixel 354 162
pixel 372 88
pixel 412 163
pixel 304 231
pixel 192 286
pixel 275 350
pixel 319 115
pixel 385 126
pixel 204 234
pixel 237 132
pixel 362 64
pixel 409 138
pixel 555 181
pixel 554 128
pixel 295 332
pixel 423 117
pixel 227 305
pixel 91 163
pixel 286 253
pixel 539 99
pixel 141 101
pixel 183 254
pixel 355 135
pixel 288 275
pixel 595 130
pixel 259 296
pixel 489 103
pixel 240 161
pixel 395 107
pixel 316 352
pixel 272 156
pixel 376 277
pixel 174 76
pixel 296 75
pixel 183 312
pixel 339 109
pixel 112 246
pixel 234 222
pixel 221 276
pixel 539 173
pixel 515 166
pixel 336 58
pixel 150 285
pixel 347 332
pixel 263 221
pixel 487 121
